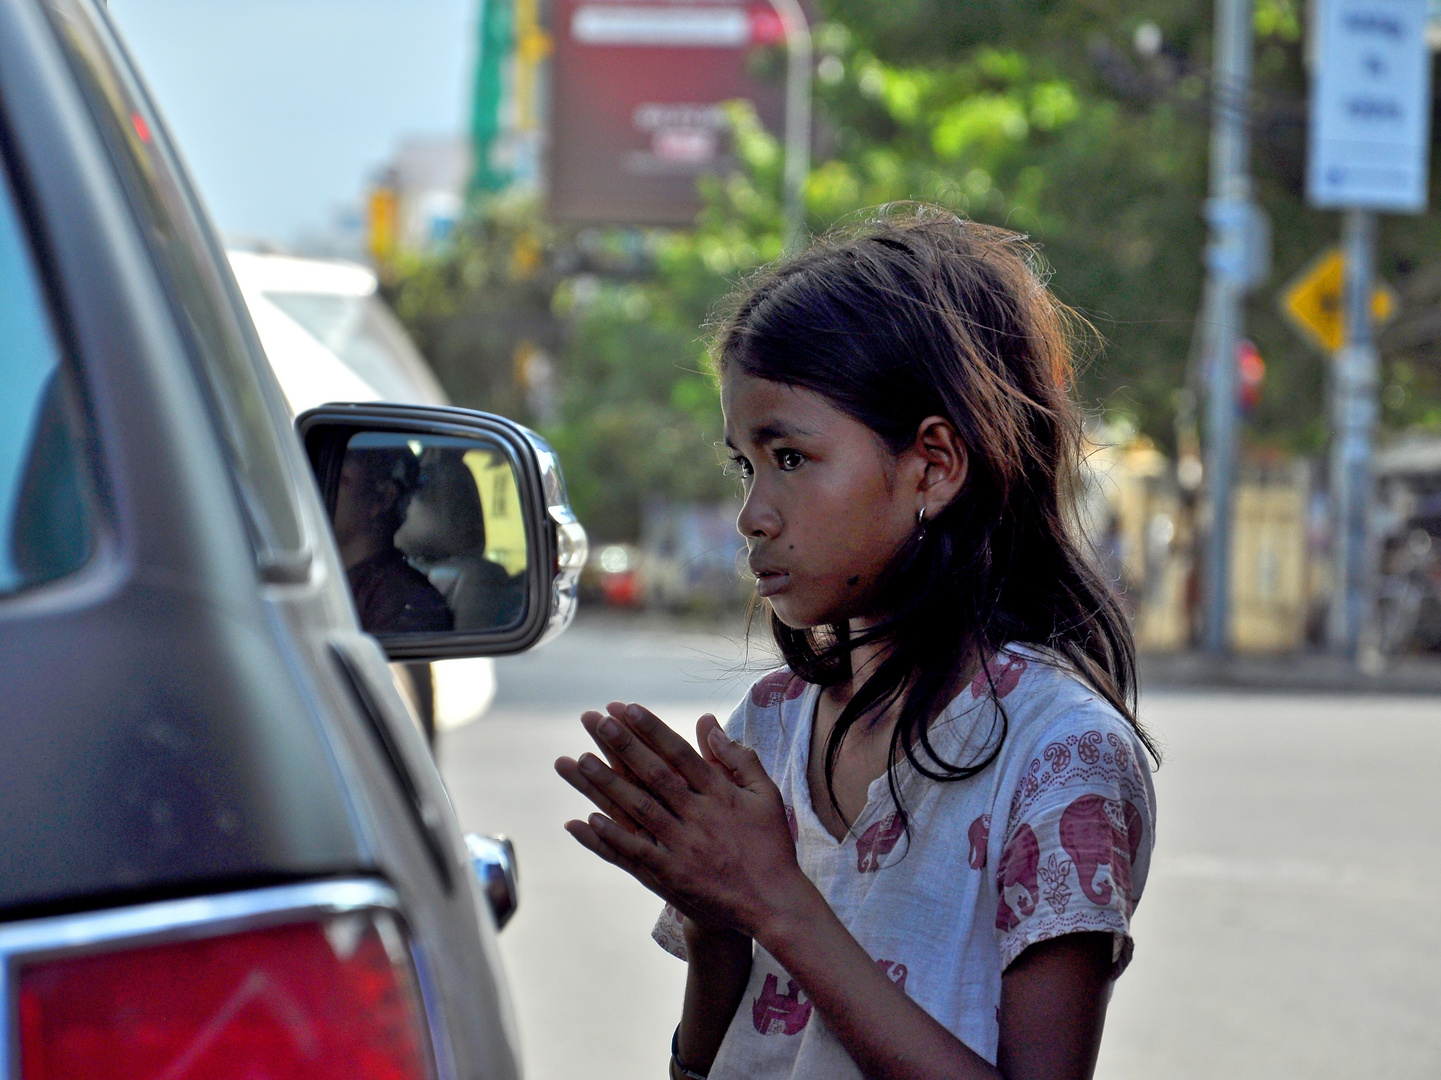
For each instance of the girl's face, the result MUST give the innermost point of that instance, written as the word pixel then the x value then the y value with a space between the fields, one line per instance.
pixel 826 503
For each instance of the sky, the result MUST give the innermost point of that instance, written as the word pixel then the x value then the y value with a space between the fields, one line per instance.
pixel 283 109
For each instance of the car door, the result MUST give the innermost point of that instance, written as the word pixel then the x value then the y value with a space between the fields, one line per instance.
pixel 193 711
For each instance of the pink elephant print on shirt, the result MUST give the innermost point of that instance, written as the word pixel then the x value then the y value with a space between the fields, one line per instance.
pixel 980 836
pixel 895 971
pixel 776 687
pixel 1016 879
pixel 774 1013
pixel 878 841
pixel 1006 671
pixel 1097 832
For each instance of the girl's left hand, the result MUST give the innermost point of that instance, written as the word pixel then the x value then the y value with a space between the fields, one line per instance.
pixel 707 834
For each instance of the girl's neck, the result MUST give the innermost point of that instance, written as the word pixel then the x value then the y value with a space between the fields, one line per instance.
pixel 865 659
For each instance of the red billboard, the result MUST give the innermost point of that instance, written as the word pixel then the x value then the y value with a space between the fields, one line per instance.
pixel 636 96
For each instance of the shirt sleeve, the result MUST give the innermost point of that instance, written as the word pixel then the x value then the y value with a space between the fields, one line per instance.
pixel 1078 838
pixel 668 933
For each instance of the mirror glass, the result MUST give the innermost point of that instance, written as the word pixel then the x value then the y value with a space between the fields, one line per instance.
pixel 432 533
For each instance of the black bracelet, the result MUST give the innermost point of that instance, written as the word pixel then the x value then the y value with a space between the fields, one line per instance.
pixel 677 1070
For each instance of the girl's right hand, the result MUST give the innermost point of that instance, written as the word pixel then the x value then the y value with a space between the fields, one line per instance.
pixel 706 833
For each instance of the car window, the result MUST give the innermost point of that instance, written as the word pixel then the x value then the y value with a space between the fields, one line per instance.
pixel 46 529
pixel 206 303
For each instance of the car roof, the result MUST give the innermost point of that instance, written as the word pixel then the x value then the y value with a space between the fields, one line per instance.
pixel 290 273
pixel 309 372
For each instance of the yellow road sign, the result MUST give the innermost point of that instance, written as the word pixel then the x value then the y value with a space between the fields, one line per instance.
pixel 1313 301
pixel 382 225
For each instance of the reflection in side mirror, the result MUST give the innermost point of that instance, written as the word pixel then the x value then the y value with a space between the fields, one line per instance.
pixel 453 526
pixel 431 532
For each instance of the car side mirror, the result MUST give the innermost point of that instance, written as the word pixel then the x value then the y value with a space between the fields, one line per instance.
pixel 453 526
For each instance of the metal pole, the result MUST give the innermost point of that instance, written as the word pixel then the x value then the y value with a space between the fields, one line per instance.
pixel 1230 215
pixel 1356 375
pixel 798 118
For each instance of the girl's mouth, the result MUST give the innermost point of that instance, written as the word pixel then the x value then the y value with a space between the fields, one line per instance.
pixel 770 582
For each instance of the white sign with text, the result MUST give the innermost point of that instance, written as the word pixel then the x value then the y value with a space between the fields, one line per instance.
pixel 1370 106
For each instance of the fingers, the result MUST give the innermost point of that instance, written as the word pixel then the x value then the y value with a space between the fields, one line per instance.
pixel 667 743
pixel 741 760
pixel 638 801
pixel 631 853
pixel 591 722
pixel 591 841
pixel 703 728
pixel 572 773
pixel 585 832
pixel 653 774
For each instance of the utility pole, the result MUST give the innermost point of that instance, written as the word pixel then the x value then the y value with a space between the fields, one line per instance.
pixel 1355 378
pixel 798 118
pixel 1369 136
pixel 1231 267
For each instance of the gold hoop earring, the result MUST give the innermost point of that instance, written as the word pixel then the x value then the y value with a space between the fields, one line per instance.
pixel 921 523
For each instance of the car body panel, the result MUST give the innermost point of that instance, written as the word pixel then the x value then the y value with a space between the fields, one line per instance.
pixel 181 717
pixel 169 603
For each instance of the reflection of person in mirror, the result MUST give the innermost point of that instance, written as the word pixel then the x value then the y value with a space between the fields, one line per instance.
pixel 444 533
pixel 391 596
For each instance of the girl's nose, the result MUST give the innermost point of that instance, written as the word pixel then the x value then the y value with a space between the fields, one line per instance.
pixel 758 519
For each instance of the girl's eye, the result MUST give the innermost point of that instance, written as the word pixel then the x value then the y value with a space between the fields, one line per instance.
pixel 738 466
pixel 789 460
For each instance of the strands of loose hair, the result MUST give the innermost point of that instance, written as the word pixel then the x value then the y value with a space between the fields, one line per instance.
pixel 916 313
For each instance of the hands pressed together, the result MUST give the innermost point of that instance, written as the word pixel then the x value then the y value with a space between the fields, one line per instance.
pixel 705 831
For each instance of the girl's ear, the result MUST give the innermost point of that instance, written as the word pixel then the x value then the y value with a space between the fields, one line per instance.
pixel 945 464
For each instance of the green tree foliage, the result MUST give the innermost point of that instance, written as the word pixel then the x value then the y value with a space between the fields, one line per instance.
pixel 1026 138
pixel 477 306
pixel 641 417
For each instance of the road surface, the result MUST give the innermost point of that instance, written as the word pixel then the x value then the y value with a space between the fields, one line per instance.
pixel 1290 926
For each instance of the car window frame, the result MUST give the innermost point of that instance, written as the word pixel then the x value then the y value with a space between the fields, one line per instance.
pixel 283 551
pixel 74 412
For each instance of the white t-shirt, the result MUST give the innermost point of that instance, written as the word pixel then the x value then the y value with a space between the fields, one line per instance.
pixel 1053 838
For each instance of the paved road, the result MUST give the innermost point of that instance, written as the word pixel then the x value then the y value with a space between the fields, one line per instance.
pixel 1290 927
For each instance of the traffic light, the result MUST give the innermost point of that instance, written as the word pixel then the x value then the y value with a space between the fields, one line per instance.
pixel 1251 373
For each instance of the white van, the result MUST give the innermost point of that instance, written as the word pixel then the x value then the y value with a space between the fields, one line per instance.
pixel 329 337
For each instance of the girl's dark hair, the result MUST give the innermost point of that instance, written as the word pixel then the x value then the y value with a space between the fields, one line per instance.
pixel 919 313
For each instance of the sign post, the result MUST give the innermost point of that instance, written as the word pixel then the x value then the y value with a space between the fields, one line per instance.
pixel 1369 136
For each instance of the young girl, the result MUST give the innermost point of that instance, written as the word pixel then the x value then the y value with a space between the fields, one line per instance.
pixel 914 851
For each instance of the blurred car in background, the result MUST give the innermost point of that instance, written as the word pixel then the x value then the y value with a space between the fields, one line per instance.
pixel 614 578
pixel 328 334
pixel 330 337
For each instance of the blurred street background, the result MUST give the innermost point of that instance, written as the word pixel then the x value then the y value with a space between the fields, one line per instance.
pixel 532 207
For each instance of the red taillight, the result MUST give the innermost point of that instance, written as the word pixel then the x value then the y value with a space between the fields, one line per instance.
pixel 320 1000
